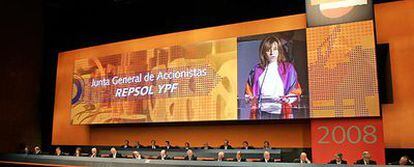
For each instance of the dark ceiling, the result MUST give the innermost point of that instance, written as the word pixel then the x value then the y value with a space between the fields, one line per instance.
pixel 72 24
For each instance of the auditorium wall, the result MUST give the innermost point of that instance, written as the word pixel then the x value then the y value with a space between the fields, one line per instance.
pixel 395 22
pixel 395 25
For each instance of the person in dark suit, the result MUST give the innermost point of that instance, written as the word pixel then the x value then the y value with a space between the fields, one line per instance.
pixel 94 153
pixel 366 159
pixel 338 159
pixel 267 158
pixel 168 145
pixel 163 155
pixel 138 145
pixel 26 150
pixel 303 159
pixel 404 160
pixel 136 155
pixel 187 146
pixel 246 146
pixel 220 156
pixel 226 145
pixel 78 152
pixel 206 146
pixel 153 145
pixel 58 151
pixel 266 145
pixel 37 150
pixel 126 144
pixel 114 153
pixel 190 155
pixel 239 157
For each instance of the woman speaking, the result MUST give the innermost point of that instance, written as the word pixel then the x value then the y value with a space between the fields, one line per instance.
pixel 272 86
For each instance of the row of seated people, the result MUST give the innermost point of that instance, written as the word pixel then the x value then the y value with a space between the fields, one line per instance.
pixel 189 155
pixel 163 155
pixel 226 145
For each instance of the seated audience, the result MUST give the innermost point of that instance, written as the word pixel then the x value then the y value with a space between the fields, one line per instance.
pixel 267 158
pixel 226 145
pixel 163 155
pixel 168 145
pixel 37 150
pixel 78 152
pixel 136 155
pixel 126 144
pixel 366 159
pixel 58 151
pixel 114 153
pixel 220 156
pixel 138 145
pixel 94 152
pixel 303 159
pixel 246 146
pixel 206 146
pixel 404 160
pixel 239 157
pixel 266 145
pixel 187 146
pixel 190 155
pixel 338 159
pixel 153 145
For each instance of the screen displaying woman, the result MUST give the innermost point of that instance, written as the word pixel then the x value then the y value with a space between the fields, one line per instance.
pixel 272 86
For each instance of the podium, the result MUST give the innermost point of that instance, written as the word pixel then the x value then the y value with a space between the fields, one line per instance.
pixel 265 108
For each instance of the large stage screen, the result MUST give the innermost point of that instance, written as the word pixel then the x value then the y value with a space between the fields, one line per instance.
pixel 319 72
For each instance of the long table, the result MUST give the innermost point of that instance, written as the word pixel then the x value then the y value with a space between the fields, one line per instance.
pixel 201 153
pixel 49 160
